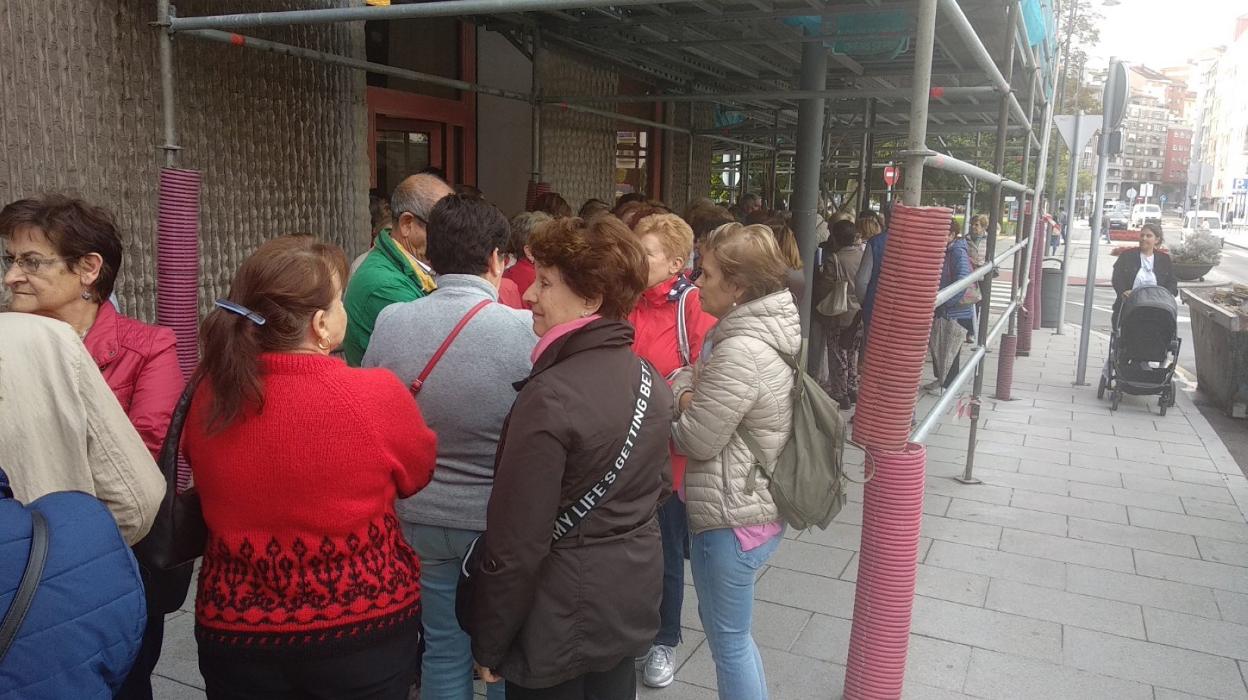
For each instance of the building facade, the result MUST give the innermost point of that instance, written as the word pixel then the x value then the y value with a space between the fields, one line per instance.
pixel 1223 132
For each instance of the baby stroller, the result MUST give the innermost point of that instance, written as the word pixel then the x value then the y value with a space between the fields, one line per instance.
pixel 1143 349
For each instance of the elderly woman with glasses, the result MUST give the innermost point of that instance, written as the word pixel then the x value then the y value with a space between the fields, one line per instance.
pixel 62 256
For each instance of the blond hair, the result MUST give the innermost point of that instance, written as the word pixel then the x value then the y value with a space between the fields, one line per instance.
pixel 673 234
pixel 749 258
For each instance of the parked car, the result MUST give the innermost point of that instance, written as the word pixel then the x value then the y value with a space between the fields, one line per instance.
pixel 1204 220
pixel 1119 217
pixel 1145 214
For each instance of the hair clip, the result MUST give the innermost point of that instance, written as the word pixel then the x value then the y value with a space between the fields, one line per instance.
pixel 241 310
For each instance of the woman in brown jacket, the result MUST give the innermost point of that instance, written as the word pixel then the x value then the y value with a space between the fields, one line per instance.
pixel 571 564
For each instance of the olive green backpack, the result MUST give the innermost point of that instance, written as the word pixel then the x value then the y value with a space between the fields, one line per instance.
pixel 807 481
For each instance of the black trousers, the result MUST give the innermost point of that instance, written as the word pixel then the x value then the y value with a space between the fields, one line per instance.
pixel 385 671
pixel 619 683
pixel 138 685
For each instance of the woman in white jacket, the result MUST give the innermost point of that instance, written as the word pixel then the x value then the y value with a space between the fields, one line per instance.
pixel 742 383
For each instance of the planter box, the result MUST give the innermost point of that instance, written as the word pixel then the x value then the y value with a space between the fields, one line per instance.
pixel 1190 272
pixel 1220 337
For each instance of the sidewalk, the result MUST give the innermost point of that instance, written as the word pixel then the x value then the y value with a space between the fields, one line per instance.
pixel 1104 556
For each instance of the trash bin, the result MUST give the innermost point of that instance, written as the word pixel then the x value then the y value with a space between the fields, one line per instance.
pixel 1050 292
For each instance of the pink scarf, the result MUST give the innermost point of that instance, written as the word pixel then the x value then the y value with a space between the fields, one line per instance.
pixel 559 331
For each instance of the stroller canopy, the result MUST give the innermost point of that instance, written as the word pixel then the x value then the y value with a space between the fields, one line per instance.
pixel 1151 297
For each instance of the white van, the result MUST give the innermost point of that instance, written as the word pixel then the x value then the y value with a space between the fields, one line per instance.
pixel 1145 214
pixel 1203 220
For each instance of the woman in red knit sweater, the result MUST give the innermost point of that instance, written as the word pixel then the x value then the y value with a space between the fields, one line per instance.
pixel 307 586
pixel 668 242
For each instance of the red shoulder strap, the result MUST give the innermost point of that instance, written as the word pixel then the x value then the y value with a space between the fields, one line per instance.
pixel 446 344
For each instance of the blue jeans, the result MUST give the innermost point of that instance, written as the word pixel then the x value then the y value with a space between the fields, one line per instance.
pixel 446 671
pixel 674 526
pixel 724 578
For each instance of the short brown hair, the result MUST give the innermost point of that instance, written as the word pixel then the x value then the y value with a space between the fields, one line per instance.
pixel 706 217
pixel 554 204
pixel 75 228
pixel 786 239
pixel 286 281
pixel 749 258
pixel 673 233
pixel 635 210
pixel 597 258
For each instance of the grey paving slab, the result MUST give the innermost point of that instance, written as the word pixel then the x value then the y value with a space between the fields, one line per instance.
pixel 1123 619
pixel 1167 694
pixel 1173 522
pixel 921 691
pixel 1033 453
pixel 988 629
pixel 1007 516
pixel 1026 482
pixel 1185 450
pixel 1065 505
pixel 997 564
pixel 1127 497
pixel 1178 436
pixel 1155 664
pixel 1200 573
pixel 1197 633
pixel 1141 590
pixel 806 592
pixel 1066 446
pixel 940 481
pixel 1223 552
pixel 1197 476
pixel 1123 466
pixel 825 638
pixel 996 425
pixel 678 690
pixel 936 662
pixel 952 585
pixel 839 534
pixel 996 675
pixel 1214 491
pixel 777 626
pixel 1072 474
pixel 1217 511
pixel 1066 549
pixel 789 676
pixel 168 689
pixel 179 657
pixel 950 529
pixel 1232 606
pixel 1151 456
pixel 811 558
pixel 1135 537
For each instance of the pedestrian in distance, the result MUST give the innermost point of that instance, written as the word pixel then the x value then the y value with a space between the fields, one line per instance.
pixel 954 319
pixel 460 351
pixel 568 577
pixel 670 328
pixel 843 333
pixel 740 389
pixel 307 586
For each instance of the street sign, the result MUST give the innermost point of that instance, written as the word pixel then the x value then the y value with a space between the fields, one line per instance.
pixel 1131 193
pixel 890 175
pixel 1163 197
pixel 1089 124
pixel 1115 96
pixel 1239 185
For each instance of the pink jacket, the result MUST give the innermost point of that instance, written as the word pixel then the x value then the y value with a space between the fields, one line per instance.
pixel 140 364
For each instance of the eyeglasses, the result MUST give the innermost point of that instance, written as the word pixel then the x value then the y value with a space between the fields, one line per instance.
pixel 30 264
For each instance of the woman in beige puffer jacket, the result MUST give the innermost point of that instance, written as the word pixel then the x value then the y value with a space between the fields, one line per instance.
pixel 741 383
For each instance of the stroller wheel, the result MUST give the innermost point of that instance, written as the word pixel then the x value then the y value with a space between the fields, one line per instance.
pixel 1162 405
pixel 1100 388
pixel 1114 399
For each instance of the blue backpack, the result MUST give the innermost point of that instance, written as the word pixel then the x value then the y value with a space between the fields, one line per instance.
pixel 79 637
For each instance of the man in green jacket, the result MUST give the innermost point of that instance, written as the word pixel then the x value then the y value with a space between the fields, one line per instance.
pixel 393 271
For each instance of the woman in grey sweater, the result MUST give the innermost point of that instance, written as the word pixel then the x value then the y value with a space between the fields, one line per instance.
pixel 465 398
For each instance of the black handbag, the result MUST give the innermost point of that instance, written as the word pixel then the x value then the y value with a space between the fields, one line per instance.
pixel 167 554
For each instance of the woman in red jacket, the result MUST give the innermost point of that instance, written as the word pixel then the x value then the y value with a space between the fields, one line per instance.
pixel 62 259
pixel 669 341
pixel 307 586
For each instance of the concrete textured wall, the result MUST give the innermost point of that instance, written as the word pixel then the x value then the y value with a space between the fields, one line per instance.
pixel 700 116
pixel 578 150
pixel 281 142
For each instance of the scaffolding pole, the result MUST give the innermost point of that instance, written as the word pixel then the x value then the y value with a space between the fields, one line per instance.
pixel 868 153
pixel 536 86
pixel 446 8
pixel 985 308
pixel 168 105
pixel 984 92
pixel 925 46
pixel 805 202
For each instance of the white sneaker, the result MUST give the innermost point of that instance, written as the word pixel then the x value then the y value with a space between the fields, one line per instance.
pixel 660 668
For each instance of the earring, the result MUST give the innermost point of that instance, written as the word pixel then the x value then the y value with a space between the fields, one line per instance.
pixel 86 295
pixel 320 343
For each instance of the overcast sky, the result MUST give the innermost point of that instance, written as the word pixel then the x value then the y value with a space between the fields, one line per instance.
pixel 1161 33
